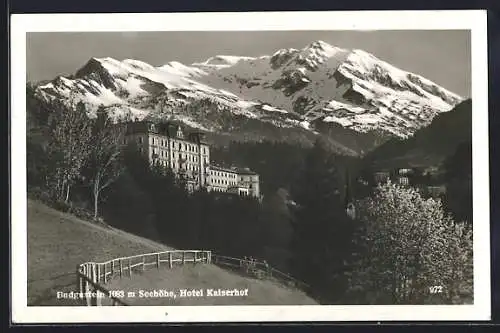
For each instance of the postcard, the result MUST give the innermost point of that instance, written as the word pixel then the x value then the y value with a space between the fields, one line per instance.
pixel 250 167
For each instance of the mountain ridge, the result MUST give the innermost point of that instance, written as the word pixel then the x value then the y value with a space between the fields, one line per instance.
pixel 317 89
pixel 429 146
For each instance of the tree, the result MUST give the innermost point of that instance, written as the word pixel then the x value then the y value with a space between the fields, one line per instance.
pixel 410 245
pixel 105 163
pixel 68 146
pixel 322 236
pixel 458 180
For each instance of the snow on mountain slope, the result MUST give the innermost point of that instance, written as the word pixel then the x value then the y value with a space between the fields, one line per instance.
pixel 325 82
pixel 297 89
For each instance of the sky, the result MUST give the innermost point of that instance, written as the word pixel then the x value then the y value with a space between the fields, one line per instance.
pixel 439 55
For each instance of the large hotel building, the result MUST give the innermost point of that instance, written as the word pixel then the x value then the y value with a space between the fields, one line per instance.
pixel 188 155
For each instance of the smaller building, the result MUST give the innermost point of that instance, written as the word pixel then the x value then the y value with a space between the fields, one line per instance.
pixel 436 191
pixel 234 180
pixel 381 176
pixel 401 176
pixel 221 178
pixel 250 180
pixel 239 190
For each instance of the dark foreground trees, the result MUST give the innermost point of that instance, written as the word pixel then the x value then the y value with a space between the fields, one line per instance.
pixel 458 180
pixel 323 234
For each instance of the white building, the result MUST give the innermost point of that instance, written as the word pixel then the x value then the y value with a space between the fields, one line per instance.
pixel 166 144
pixel 234 180
pixel 188 155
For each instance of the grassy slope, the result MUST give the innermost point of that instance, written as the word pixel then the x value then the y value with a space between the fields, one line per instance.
pixel 260 292
pixel 57 242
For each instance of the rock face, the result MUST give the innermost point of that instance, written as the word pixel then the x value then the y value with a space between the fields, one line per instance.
pixel 349 96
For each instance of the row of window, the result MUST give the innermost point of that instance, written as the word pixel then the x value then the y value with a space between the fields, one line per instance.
pixel 216 189
pixel 190 158
pixel 222 182
pixel 222 174
pixel 181 166
pixel 179 146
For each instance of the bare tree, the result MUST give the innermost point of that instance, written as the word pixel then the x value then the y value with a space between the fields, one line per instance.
pixel 105 163
pixel 68 146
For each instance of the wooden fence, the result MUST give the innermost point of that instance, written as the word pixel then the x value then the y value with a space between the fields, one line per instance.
pixel 91 275
pixel 258 269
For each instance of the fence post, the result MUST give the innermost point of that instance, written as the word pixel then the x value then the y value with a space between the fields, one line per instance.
pixel 98 299
pixel 78 279
pixel 170 263
pixel 121 268
pixel 129 268
pixel 143 262
pixel 94 272
pixel 112 268
pixel 88 273
pixel 183 257
pixel 209 260
pixel 158 260
pixel 94 281
pixel 195 256
pixel 104 266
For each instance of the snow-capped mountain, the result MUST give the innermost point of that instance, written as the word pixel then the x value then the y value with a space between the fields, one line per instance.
pixel 307 91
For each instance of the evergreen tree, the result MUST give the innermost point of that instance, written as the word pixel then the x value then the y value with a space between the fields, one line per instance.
pixel 458 180
pixel 321 244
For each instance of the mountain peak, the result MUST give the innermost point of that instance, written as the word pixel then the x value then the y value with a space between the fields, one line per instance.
pixel 319 44
pixel 316 88
pixel 223 60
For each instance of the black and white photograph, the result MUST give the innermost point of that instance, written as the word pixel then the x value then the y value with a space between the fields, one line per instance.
pixel 249 167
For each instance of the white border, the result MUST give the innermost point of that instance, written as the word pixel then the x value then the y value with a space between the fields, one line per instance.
pixel 475 20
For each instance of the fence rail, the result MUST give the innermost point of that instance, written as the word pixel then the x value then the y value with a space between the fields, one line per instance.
pixel 91 275
pixel 259 269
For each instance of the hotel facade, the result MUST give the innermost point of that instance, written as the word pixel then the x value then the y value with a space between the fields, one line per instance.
pixel 188 156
